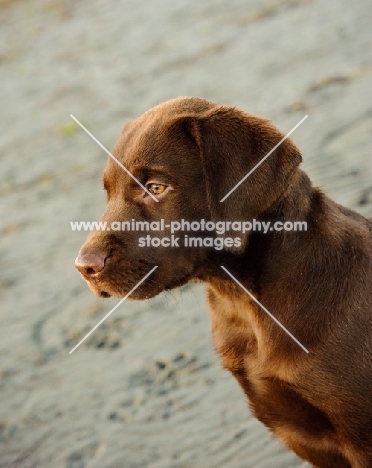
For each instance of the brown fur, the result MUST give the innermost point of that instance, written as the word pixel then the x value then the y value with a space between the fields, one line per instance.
pixel 317 283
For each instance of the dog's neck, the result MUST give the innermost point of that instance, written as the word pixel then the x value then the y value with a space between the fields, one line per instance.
pixel 295 202
pixel 299 202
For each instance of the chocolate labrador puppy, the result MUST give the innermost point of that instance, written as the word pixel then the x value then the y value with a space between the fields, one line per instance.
pixel 189 153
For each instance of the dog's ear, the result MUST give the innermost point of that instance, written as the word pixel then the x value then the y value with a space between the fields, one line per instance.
pixel 231 143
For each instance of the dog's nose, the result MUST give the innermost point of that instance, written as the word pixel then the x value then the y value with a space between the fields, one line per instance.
pixel 90 264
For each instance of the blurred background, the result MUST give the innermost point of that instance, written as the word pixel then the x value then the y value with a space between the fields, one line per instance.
pixel 146 389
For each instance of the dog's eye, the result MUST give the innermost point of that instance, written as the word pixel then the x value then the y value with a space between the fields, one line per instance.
pixel 155 188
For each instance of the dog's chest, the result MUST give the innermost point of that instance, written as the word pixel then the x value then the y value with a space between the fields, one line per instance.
pixel 245 340
pixel 237 331
pixel 246 350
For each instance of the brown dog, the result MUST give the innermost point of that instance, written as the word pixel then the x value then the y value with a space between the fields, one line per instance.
pixel 189 153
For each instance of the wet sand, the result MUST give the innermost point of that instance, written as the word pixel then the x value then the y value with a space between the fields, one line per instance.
pixel 146 389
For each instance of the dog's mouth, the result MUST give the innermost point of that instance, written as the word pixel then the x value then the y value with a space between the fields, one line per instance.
pixel 118 279
pixel 104 294
pixel 106 285
pixel 96 286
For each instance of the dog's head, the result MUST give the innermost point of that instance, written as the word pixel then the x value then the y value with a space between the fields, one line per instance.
pixel 188 153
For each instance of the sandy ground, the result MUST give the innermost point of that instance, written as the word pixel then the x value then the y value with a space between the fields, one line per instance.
pixel 146 390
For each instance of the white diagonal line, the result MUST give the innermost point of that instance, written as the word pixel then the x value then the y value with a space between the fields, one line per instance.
pixel 265 310
pixel 115 159
pixel 112 310
pixel 263 159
